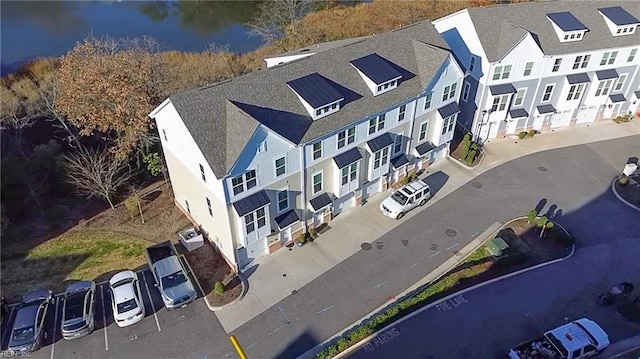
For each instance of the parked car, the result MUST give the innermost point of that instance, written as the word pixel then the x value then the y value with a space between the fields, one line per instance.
pixel 405 199
pixel 78 310
pixel 28 331
pixel 128 307
pixel 171 277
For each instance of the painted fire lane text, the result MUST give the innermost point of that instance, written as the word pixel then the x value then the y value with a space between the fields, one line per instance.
pixel 381 340
pixel 451 303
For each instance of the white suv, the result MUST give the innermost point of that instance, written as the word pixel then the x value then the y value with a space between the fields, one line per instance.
pixel 405 199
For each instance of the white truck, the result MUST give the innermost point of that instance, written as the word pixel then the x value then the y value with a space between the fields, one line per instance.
pixel 579 339
pixel 405 199
pixel 171 277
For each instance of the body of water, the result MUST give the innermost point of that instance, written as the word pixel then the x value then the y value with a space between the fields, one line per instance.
pixel 31 29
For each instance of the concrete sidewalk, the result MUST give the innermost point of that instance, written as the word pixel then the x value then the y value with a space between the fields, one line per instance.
pixel 274 277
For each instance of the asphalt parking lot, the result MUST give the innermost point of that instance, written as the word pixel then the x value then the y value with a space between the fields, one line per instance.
pixel 109 340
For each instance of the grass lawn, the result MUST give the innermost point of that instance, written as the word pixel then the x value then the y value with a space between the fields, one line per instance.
pixel 75 255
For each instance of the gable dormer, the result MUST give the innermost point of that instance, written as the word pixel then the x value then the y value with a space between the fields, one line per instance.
pixel 567 27
pixel 318 96
pixel 377 73
pixel 619 21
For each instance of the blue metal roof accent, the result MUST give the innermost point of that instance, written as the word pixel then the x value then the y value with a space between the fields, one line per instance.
pixel 617 98
pixel 578 78
pixel 286 219
pixel 448 110
pixel 619 16
pixel 546 109
pixel 376 68
pixel 518 112
pixel 347 158
pixel 316 90
pixel 566 21
pixel 380 142
pixel 607 74
pixel 502 89
pixel 424 148
pixel 320 202
pixel 251 203
pixel 399 161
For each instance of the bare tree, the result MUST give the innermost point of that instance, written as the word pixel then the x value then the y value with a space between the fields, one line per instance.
pixel 96 173
pixel 278 18
pixel 135 201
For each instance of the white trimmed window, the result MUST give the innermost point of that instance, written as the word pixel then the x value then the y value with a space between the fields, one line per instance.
pixel 449 92
pixel 244 182
pixel 581 61
pixel 556 65
pixel 381 157
pixel 502 72
pixel 472 64
pixel 204 178
pixel 262 147
pixel 548 91
pixel 499 103
pixel 402 112
pixel 465 92
pixel 427 100
pixel 317 150
pixel 164 133
pixel 620 83
pixel 448 124
pixel 209 206
pixel 520 97
pixel 346 137
pixel 376 124
pixel 283 200
pixel 423 131
pixel 250 220
pixel 575 91
pixel 603 87
pixel 397 144
pixel 632 56
pixel 608 58
pixel 281 166
pixel 317 182
pixel 528 68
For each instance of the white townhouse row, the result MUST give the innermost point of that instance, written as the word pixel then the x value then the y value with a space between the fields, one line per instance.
pixel 544 65
pixel 254 161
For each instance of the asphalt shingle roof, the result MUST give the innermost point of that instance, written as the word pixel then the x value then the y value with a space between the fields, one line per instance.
pixel 498 39
pixel 223 117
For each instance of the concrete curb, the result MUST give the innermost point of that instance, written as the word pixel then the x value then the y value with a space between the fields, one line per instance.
pixel 357 345
pixel 245 287
pixel 613 188
pixel 482 157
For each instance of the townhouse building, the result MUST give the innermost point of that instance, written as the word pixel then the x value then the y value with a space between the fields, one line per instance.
pixel 255 160
pixel 545 65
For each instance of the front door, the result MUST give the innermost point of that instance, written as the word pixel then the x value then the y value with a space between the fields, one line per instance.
pixel 285 235
pixel 511 126
pixel 318 218
pixel 537 123
pixel 349 178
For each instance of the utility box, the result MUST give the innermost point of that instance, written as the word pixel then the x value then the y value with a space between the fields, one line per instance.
pixel 630 169
pixel 191 239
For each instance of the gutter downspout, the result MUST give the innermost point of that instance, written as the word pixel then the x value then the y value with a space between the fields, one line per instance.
pixel 533 102
pixel 482 102
pixel 303 187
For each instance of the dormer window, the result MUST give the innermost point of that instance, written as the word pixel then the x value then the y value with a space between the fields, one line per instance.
pixel 317 94
pixel 567 27
pixel 378 73
pixel 619 21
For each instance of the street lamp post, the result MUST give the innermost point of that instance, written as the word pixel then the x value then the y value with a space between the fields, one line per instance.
pixel 482 123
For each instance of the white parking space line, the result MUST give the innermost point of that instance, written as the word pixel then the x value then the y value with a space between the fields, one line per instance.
pixel 104 319
pixel 55 325
pixel 153 307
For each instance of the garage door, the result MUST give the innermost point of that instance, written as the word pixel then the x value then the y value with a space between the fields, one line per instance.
pixel 343 203
pixel 254 250
pixel 586 114
pixel 372 187
pixel 561 119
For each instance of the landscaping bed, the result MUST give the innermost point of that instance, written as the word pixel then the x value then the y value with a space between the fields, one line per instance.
pixel 630 192
pixel 525 250
pixel 467 152
pixel 209 267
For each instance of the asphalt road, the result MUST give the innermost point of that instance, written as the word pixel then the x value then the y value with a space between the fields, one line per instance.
pixel 575 179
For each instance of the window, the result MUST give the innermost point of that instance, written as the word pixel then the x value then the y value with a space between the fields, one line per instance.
pixel 319 112
pixel 188 208
pixel 283 200
pixel 209 206
pixel 244 182
pixel 632 55
pixel 472 64
pixel 499 103
pixel 380 158
pixel 577 61
pixel 449 92
pixel 317 182
pixel 261 217
pixel 612 59
pixel 346 137
pixel 262 147
pixel 603 87
pixel 334 106
pixel 502 72
pixel 579 35
pixel 465 92
pixel 556 65
pixel 581 62
pixel 317 150
pixel 401 112
pixel 520 97
pixel 164 133
pixel 575 91
pixel 620 83
pixel 423 131
pixel 397 144
pixel 249 223
pixel 427 100
pixel 527 69
pixel 548 90
pixel 281 166
pixel 566 37
pixel 349 173
pixel 204 178
pixel 608 58
pixel 448 124
pixel 573 36
pixel 376 122
pixel 497 73
pixel 585 61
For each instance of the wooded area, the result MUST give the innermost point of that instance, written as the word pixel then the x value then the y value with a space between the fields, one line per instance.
pixel 78 125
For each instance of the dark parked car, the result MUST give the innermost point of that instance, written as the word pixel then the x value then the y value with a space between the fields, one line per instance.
pixel 78 310
pixel 28 327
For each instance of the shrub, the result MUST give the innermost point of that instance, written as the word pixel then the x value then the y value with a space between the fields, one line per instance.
pixel 550 225
pixel 312 232
pixel 470 157
pixel 466 145
pixel 218 288
pixel 623 180
pixel 522 135
pixel 531 133
pixel 405 181
pixel 302 237
pixel 474 146
pixel 542 221
pixel 532 215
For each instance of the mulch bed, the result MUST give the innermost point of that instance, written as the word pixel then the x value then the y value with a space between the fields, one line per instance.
pixel 458 155
pixel 209 267
pixel 631 191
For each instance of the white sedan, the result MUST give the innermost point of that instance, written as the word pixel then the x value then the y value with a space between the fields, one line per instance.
pixel 128 307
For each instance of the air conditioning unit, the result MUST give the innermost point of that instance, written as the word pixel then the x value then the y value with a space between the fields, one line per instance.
pixel 191 239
